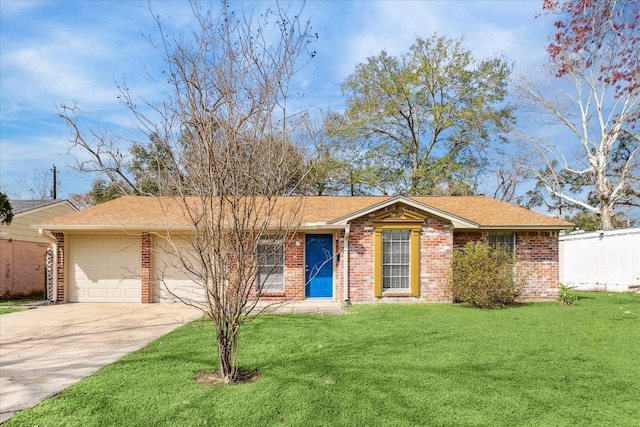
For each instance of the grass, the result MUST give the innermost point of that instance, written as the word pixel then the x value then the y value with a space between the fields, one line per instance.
pixel 9 306
pixel 382 365
pixel 7 310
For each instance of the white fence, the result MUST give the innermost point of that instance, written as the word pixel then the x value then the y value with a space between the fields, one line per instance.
pixel 601 260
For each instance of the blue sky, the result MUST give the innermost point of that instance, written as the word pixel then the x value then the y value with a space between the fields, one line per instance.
pixel 60 52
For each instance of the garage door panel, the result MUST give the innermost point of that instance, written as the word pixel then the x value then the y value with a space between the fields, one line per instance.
pixel 171 281
pixel 96 293
pixel 105 269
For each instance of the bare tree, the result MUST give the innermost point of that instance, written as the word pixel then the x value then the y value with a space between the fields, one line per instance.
pixel 81 200
pixel 39 185
pixel 507 179
pixel 226 138
pixel 594 57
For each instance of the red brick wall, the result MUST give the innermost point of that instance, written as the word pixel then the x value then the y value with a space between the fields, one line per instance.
pixel 537 254
pixel 361 261
pixel 294 272
pixel 61 262
pixel 462 238
pixel 22 269
pixel 436 247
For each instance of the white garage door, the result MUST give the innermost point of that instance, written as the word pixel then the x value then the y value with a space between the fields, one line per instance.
pixel 105 269
pixel 172 283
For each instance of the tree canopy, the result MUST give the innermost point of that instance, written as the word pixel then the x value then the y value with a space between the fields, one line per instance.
pixel 425 118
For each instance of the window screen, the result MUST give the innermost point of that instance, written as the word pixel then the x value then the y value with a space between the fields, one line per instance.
pixel 395 259
pixel 270 266
pixel 502 240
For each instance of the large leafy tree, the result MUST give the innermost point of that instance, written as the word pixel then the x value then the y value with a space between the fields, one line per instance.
pixel 594 57
pixel 426 117
pixel 340 170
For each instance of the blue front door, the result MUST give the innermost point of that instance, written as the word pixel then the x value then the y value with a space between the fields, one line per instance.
pixel 319 265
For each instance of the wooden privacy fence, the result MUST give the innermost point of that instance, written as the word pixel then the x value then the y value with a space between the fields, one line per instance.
pixel 601 260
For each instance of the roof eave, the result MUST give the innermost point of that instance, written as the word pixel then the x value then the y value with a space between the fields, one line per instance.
pixel 523 227
pixel 152 227
pixel 135 228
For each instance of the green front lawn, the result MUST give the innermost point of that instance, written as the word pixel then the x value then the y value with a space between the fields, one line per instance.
pixel 382 365
pixel 11 305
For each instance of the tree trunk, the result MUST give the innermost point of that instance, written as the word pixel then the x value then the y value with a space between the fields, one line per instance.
pixel 227 356
pixel 605 213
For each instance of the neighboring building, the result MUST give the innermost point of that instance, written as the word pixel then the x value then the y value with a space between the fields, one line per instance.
pixel 23 251
pixel 367 249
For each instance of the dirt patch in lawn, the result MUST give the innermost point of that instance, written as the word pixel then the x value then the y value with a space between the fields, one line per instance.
pixel 214 378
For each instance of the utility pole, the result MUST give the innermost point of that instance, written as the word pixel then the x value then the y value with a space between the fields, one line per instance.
pixel 54 192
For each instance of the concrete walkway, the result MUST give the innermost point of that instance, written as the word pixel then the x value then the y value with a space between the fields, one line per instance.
pixel 308 306
pixel 44 350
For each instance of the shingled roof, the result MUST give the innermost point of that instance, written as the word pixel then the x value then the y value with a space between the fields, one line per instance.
pixel 19 206
pixel 140 213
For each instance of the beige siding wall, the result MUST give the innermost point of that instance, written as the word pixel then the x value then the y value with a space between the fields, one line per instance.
pixel 20 228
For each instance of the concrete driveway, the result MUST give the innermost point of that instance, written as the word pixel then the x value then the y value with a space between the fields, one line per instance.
pixel 46 349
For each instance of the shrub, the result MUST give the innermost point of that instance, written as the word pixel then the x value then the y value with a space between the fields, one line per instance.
pixel 482 276
pixel 567 296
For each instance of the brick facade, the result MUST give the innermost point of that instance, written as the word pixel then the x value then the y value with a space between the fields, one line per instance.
pixel 436 248
pixel 537 253
pixel 361 261
pixel 294 272
pixel 22 269
pixel 60 280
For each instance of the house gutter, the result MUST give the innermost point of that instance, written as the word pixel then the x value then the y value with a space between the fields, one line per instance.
pixel 345 263
pixel 47 235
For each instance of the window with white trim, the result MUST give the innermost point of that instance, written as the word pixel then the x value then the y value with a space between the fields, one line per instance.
pixel 503 240
pixel 396 259
pixel 270 269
